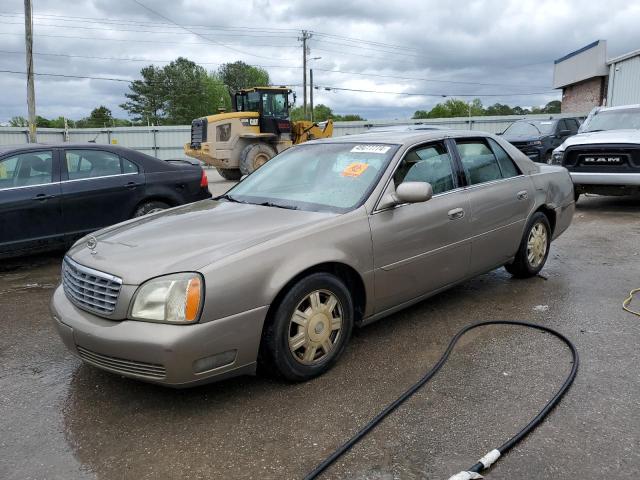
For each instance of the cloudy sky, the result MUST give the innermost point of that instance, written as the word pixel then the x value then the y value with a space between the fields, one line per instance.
pixel 498 51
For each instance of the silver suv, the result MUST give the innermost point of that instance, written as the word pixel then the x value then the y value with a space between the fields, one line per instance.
pixel 604 158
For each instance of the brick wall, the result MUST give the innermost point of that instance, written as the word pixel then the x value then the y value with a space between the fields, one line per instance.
pixel 583 96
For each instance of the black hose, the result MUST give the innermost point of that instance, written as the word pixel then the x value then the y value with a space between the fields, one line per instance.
pixel 508 445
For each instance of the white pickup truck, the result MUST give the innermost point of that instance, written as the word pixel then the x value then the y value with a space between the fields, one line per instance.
pixel 604 158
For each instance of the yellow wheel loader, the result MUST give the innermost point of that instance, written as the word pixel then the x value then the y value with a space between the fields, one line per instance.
pixel 239 142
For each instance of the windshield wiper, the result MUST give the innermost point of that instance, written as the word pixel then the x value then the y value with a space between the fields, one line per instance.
pixel 230 198
pixel 277 205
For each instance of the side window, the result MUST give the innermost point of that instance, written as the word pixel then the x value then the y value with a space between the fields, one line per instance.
pixel 561 126
pixel 572 123
pixel 508 168
pixel 479 162
pixel 128 167
pixel 430 164
pixel 91 163
pixel 30 168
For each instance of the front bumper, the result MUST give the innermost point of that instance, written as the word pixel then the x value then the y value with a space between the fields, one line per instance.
pixel 605 178
pixel 161 353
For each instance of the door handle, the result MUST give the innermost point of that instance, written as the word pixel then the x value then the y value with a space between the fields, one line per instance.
pixel 131 185
pixel 456 213
pixel 43 196
pixel 523 195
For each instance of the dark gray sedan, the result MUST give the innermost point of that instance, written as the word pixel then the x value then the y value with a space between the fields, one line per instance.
pixel 326 236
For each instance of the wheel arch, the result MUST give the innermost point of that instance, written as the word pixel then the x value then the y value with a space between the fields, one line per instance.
pixel 550 213
pixel 347 274
pixel 172 202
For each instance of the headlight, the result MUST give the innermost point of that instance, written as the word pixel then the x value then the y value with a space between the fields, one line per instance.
pixel 175 298
pixel 556 158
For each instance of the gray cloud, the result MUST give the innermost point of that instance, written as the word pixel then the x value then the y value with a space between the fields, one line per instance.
pixel 512 44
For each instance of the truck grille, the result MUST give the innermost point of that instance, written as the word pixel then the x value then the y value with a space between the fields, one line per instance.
pixel 198 132
pixel 90 289
pixel 599 158
pixel 120 365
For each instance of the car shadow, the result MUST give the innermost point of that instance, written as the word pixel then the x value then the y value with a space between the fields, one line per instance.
pixel 613 204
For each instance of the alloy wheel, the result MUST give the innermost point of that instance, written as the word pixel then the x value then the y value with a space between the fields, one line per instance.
pixel 537 245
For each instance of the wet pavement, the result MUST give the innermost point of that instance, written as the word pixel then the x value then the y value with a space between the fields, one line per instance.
pixel 61 419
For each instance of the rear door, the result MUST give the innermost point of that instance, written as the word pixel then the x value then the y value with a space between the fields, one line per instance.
pixel 30 211
pixel 501 198
pixel 99 188
pixel 421 247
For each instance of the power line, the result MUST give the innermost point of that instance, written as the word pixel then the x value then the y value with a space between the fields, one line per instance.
pixel 342 72
pixel 329 88
pixel 196 33
pixel 318 87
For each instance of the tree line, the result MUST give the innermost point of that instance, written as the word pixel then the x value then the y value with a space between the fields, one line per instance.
pixel 454 107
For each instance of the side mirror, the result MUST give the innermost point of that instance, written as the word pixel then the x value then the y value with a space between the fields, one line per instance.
pixel 499 133
pixel 408 192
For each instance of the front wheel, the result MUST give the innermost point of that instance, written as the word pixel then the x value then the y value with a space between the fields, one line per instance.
pixel 310 328
pixel 534 248
pixel 150 207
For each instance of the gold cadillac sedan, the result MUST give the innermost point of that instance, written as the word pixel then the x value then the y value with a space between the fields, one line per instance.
pixel 326 236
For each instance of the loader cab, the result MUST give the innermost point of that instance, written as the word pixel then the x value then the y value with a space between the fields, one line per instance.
pixel 271 103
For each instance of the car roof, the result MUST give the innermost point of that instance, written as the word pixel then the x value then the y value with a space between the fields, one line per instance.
pixel 619 107
pixel 402 136
pixel 88 145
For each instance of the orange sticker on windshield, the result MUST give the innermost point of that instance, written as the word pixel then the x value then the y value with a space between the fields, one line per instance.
pixel 355 169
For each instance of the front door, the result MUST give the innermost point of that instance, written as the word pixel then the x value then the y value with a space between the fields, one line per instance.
pixel 30 213
pixel 501 199
pixel 421 247
pixel 101 189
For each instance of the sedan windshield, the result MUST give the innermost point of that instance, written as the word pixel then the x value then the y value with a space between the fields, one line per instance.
pixel 532 128
pixel 613 120
pixel 335 177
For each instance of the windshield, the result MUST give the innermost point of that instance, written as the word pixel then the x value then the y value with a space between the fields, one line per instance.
pixel 274 104
pixel 334 177
pixel 613 120
pixel 533 128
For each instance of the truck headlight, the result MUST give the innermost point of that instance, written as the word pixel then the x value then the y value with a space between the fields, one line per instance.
pixel 556 158
pixel 175 298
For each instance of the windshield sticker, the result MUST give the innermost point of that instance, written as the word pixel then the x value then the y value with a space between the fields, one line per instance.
pixel 355 169
pixel 380 149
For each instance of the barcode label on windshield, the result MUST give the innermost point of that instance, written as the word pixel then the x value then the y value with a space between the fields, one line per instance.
pixel 380 149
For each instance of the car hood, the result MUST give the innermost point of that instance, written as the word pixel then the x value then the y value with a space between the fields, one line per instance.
pixel 607 136
pixel 186 238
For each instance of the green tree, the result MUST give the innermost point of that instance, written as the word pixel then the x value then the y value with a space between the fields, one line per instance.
pixel 322 113
pixel 553 106
pixel 147 98
pixel 238 75
pixel 99 117
pixel 350 117
pixel 190 92
pixel 499 109
pixel 18 122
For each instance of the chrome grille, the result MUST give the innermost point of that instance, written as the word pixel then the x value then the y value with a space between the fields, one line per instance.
pixel 120 365
pixel 90 289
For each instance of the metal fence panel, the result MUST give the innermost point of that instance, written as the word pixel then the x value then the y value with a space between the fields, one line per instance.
pixel 167 141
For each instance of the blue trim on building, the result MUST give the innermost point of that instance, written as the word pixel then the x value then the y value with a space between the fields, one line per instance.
pixel 573 54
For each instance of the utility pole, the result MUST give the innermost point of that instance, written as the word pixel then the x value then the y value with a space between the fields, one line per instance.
pixel 305 36
pixel 31 94
pixel 311 91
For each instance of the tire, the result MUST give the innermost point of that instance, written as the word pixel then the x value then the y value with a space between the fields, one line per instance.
pixel 308 346
pixel 576 195
pixel 230 173
pixel 149 207
pixel 523 266
pixel 255 155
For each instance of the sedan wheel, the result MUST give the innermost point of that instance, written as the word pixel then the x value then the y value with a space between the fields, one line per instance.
pixel 315 327
pixel 537 245
pixel 309 329
pixel 534 248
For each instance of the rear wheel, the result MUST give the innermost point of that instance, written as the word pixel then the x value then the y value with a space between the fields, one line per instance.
pixel 310 328
pixel 534 248
pixel 230 173
pixel 150 207
pixel 255 155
